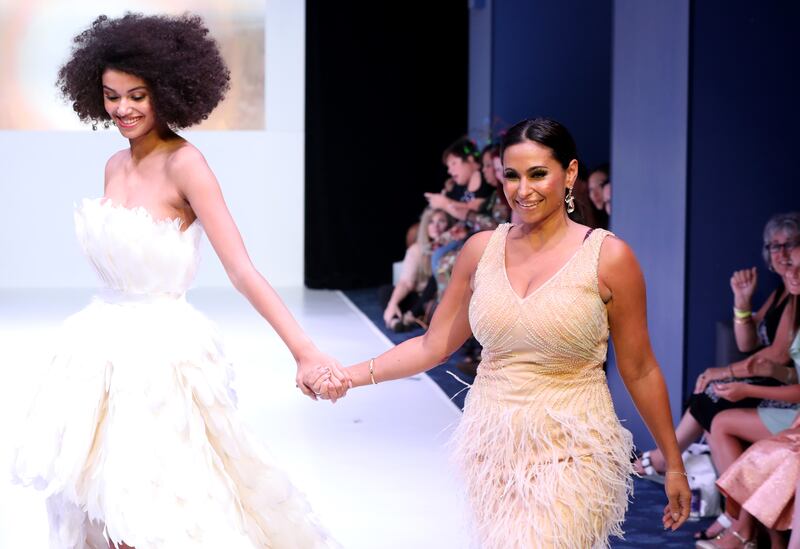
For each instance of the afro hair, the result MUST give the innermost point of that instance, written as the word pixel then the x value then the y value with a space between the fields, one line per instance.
pixel 175 56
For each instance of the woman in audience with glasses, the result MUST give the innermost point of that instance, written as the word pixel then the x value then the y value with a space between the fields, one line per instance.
pixel 766 331
pixel 760 483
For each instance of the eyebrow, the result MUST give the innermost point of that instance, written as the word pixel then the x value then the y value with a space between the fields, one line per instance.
pixel 129 91
pixel 527 169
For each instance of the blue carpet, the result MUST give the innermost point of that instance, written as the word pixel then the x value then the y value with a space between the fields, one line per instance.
pixel 643 521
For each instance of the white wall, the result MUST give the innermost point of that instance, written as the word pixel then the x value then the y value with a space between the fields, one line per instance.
pixel 261 172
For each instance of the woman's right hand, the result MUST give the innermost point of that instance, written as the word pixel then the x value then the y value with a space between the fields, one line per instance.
pixel 392 311
pixel 743 284
pixel 679 495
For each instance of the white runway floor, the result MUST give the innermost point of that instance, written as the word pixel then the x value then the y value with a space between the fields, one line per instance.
pixel 374 465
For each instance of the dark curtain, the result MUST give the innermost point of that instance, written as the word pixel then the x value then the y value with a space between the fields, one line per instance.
pixel 386 92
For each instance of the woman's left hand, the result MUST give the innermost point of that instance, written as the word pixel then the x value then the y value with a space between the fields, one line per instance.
pixel 680 499
pixel 733 392
pixel 321 376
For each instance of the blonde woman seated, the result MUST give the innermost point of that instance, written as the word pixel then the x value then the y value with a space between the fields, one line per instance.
pixel 414 290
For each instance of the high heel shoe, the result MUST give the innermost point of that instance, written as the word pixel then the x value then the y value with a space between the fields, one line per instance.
pixel 743 543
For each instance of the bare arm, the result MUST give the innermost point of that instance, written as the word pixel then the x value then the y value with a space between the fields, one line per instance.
pixel 621 280
pixel 197 184
pixel 449 327
pixel 766 362
pixel 743 285
pixel 788 393
pixel 457 209
pixel 406 284
pixel 735 392
pixel 746 333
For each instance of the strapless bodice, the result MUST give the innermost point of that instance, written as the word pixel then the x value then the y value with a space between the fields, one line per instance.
pixel 133 253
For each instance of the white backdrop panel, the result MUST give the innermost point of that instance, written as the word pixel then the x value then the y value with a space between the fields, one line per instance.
pixel 42 173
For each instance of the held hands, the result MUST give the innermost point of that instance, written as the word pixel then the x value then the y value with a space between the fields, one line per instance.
pixel 677 510
pixel 743 284
pixel 321 376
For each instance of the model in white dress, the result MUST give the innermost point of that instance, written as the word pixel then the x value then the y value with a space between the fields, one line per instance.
pixel 135 429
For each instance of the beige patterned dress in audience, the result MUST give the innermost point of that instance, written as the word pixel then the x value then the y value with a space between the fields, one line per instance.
pixel 545 459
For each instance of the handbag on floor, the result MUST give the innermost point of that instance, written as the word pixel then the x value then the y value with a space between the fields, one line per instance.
pixel 706 499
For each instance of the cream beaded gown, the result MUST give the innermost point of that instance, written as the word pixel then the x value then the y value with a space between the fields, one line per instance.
pixel 546 461
pixel 134 430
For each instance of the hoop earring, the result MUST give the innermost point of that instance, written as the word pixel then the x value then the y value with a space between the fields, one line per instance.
pixel 570 200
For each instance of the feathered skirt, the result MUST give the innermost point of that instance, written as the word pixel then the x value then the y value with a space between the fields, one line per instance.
pixel 545 461
pixel 134 437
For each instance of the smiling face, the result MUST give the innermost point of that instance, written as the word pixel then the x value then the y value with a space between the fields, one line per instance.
pixel 780 247
pixel 128 101
pixel 459 169
pixel 497 162
pixel 534 181
pixel 792 277
pixel 596 180
pixel 487 168
pixel 437 225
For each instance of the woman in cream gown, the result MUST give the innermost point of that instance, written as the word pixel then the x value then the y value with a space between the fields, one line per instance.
pixel 134 437
pixel 545 459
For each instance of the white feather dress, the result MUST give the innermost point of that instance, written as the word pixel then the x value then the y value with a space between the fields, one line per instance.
pixel 134 435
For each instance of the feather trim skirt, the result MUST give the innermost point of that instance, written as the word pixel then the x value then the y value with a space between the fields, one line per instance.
pixel 134 437
pixel 540 474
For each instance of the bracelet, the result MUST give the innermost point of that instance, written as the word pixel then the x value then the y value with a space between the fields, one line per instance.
pixel 372 371
pixel 745 320
pixel 742 313
pixel 676 473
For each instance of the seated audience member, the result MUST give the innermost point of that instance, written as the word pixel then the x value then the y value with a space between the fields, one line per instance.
pixel 598 177
pixel 495 209
pixel 764 367
pixel 584 209
pixel 607 199
pixel 762 485
pixel 754 330
pixel 411 294
pixel 469 190
pixel 763 479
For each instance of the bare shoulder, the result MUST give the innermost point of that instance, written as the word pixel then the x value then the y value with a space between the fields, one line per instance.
pixel 615 252
pixel 186 166
pixel 617 264
pixel 114 165
pixel 116 160
pixel 475 246
pixel 185 157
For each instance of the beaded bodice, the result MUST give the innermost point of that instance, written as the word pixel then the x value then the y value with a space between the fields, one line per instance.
pixel 560 331
pixel 545 458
